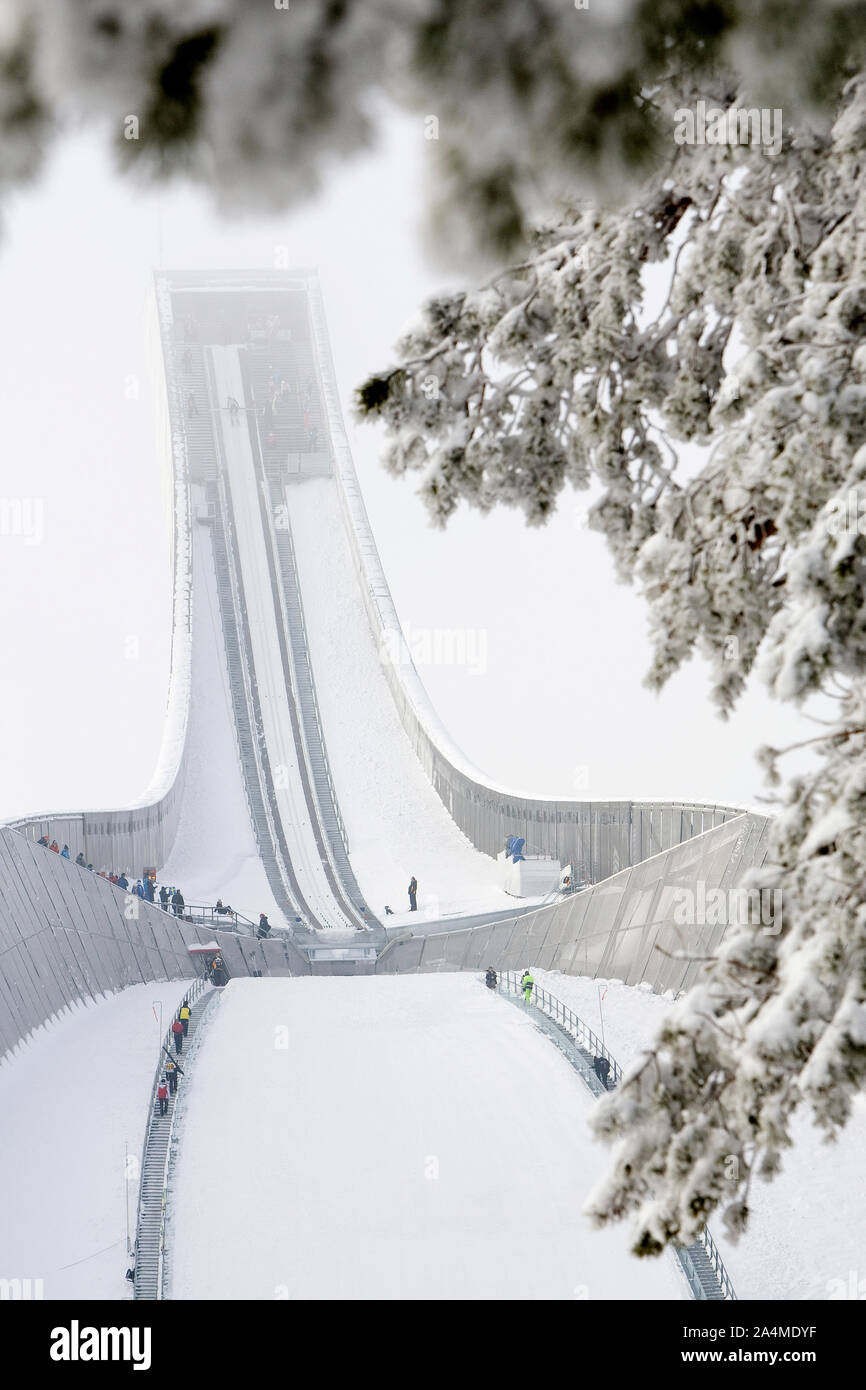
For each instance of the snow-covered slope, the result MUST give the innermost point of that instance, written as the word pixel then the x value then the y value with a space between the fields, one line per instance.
pixel 74 1101
pixel 215 854
pixel 808 1228
pixel 414 1137
pixel 396 823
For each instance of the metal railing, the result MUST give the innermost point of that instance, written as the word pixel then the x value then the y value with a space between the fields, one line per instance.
pixel 321 747
pixel 204 912
pixel 195 991
pixel 591 1044
pixel 255 760
pixel 569 1021
pixel 200 912
pixel 715 1259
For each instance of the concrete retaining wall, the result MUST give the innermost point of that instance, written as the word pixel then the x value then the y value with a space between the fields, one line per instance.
pixel 68 935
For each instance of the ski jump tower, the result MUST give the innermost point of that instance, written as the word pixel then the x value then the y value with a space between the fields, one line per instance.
pixel 249 412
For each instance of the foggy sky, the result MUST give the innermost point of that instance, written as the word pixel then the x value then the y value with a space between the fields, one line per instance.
pixel 536 654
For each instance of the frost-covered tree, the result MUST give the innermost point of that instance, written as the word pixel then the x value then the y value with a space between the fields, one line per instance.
pixel 256 98
pixel 697 356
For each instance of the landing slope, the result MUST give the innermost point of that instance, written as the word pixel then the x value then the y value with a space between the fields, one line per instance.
pixel 415 1138
pixel 397 825
pixel 74 1100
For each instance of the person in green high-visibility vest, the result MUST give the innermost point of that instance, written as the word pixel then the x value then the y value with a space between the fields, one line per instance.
pixel 527 984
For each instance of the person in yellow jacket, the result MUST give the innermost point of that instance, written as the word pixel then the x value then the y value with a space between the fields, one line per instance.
pixel 184 1017
pixel 527 984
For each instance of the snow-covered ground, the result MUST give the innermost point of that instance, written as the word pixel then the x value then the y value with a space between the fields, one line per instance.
pixel 396 824
pixel 215 853
pixel 389 1137
pixel 808 1228
pixel 74 1102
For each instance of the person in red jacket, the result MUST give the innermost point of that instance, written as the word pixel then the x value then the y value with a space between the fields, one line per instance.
pixel 177 1030
pixel 55 846
pixel 162 1097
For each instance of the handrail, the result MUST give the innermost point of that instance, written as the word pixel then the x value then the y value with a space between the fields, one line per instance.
pixel 195 991
pixel 567 1020
pixel 220 919
pixel 318 808
pixel 287 530
pixel 279 851
pixel 715 1259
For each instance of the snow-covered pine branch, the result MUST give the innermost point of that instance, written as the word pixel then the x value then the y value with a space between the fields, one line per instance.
pixel 754 356
pixel 519 99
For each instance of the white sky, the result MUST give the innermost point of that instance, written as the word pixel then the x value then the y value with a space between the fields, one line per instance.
pixel 551 699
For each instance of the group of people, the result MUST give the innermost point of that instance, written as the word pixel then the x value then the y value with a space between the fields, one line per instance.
pixel 279 400
pixel 527 983
pixel 600 1063
pixel 168 897
pixel 143 888
pixel 171 898
pixel 266 323
pixel 168 1081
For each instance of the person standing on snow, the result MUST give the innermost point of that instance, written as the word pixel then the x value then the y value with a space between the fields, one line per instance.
pixel 171 1076
pixel 54 845
pixel 138 890
pixel 177 902
pixel 184 1016
pixel 177 1034
pixel 264 926
pixel 122 881
pixel 64 853
pixel 413 894
pixel 527 984
pixel 79 859
pixel 163 898
pixel 490 978
pixel 162 1096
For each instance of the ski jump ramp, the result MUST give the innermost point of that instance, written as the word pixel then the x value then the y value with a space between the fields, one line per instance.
pixel 304 771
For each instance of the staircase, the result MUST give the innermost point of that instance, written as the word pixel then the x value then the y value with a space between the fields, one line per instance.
pixel 150 1233
pixel 296 411
pixel 248 747
pixel 701 1261
pixel 191 378
pixel 308 709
